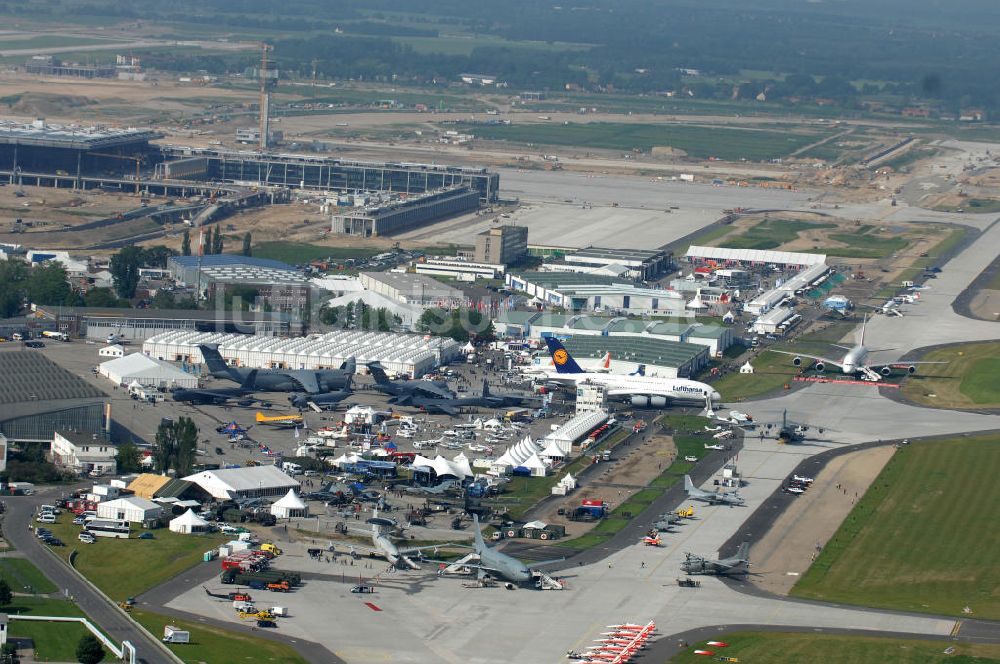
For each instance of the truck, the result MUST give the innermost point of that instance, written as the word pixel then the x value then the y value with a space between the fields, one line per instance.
pixel 173 634
pixel 270 548
pixel 55 336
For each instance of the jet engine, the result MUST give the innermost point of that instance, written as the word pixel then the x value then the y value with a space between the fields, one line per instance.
pixel 640 401
pixel 797 361
pixel 820 366
pixel 885 371
pixel 911 369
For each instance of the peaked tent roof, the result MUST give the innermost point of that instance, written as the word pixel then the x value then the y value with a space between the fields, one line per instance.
pixel 189 519
pixel 290 501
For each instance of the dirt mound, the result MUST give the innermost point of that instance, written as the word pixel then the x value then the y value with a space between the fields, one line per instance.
pixel 42 104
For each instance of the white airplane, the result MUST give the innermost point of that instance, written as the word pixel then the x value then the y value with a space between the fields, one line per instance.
pixel 722 435
pixel 714 447
pixel 644 391
pixel 855 360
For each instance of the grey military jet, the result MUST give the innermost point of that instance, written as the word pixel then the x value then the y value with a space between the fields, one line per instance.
pixel 221 395
pixel 399 558
pixel 403 391
pixel 738 564
pixel 323 401
pixel 711 497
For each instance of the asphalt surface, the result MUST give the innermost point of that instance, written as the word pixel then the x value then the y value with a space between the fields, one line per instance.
pixel 101 610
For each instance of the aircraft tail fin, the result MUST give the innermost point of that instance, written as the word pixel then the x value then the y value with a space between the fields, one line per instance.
pixel 250 382
pixel 743 553
pixel 350 365
pixel 378 373
pixel 639 371
pixel 480 542
pixel 563 361
pixel 216 365
pixel 486 388
pixel 688 484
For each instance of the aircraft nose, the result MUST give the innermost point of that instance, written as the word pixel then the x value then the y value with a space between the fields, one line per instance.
pixel 716 396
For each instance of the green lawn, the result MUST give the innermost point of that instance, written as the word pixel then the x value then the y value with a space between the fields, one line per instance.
pixel 921 537
pixel 149 562
pixel 772 233
pixel 296 253
pixel 974 205
pixel 771 371
pixel 464 44
pixel 214 644
pixel 20 573
pixel 17 42
pixel 54 641
pixel 968 379
pixel 865 245
pixel 697 141
pixel 801 648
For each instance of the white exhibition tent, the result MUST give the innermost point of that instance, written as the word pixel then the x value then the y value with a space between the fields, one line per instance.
pixel 131 508
pixel 189 523
pixel 146 371
pixel 114 350
pixel 553 451
pixel 345 459
pixel 535 465
pixel 442 467
pixel 290 506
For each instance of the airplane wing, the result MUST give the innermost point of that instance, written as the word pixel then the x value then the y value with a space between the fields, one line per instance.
pixel 307 379
pixel 446 409
pixel 824 360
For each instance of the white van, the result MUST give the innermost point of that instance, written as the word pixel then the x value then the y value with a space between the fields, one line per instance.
pixel 46 518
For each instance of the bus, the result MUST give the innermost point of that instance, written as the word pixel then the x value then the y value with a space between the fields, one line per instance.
pixel 57 336
pixel 108 528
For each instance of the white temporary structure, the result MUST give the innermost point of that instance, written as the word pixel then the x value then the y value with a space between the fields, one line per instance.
pixel 189 523
pixel 535 465
pixel 553 451
pixel 290 506
pixel 131 508
pixel 247 482
pixel 114 350
pixel 146 371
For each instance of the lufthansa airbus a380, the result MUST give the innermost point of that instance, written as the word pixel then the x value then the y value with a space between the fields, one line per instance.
pixel 643 391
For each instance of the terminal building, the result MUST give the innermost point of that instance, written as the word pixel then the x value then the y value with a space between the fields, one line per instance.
pixel 405 214
pixel 39 398
pixel 412 354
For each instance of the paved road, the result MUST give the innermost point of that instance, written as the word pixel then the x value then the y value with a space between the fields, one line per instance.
pixel 98 608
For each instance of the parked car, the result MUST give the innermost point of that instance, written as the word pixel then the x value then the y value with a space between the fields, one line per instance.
pixel 54 541
pixel 79 521
pixel 146 536
pixel 46 518
pixel 86 538
pixel 35 344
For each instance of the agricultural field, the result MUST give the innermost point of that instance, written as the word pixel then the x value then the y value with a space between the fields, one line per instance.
pixel 150 562
pixel 915 541
pixel 804 648
pixel 699 142
pixel 968 380
pixel 213 644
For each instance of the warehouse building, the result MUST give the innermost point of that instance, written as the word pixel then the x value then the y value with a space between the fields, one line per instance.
pixel 231 269
pixel 415 289
pixel 412 354
pixel 39 398
pixel 640 264
pixel 502 245
pixel 771 322
pixel 405 214
pixel 97 323
pixel 588 292
pixel 457 268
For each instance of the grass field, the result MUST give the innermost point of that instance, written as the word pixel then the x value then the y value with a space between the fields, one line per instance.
pixel 968 380
pixel 295 253
pixel 20 574
pixel 54 642
pixel 800 648
pixel 17 42
pixel 697 141
pixel 213 644
pixel 464 44
pixel 864 244
pixel 771 233
pixel 149 562
pixel 920 539
pixel 771 371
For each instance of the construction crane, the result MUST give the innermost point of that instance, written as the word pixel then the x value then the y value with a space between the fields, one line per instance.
pixel 138 162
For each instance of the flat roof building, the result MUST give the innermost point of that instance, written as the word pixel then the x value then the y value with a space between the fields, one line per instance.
pixel 232 269
pixel 416 289
pixel 588 292
pixel 403 214
pixel 502 244
pixel 641 264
